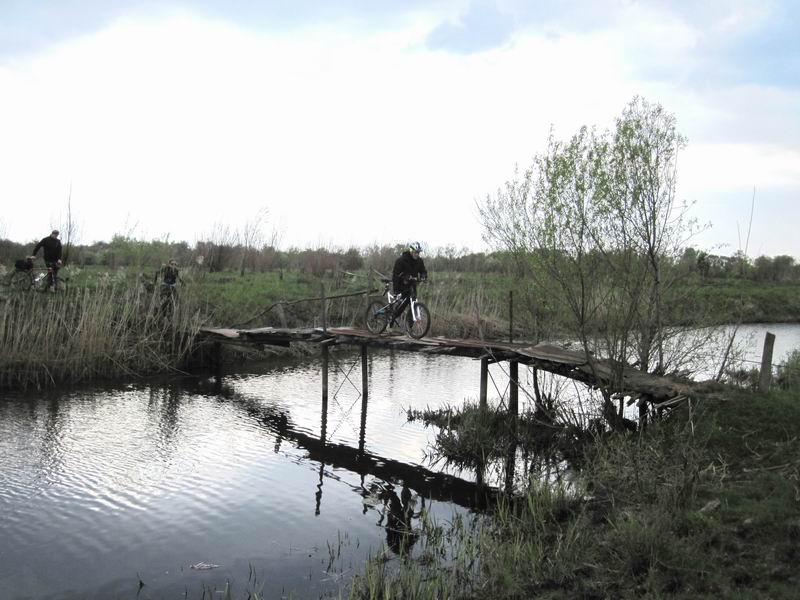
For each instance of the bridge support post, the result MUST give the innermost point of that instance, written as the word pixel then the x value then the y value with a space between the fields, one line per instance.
pixel 513 387
pixel 364 374
pixel 216 360
pixel 766 363
pixel 324 375
pixel 484 381
pixel 362 434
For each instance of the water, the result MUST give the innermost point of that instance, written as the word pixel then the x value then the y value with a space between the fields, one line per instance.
pixel 103 486
pixel 787 339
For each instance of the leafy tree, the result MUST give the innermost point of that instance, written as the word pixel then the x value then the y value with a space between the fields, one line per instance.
pixel 596 224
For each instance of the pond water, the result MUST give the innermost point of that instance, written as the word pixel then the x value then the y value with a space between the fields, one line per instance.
pixel 104 487
pixel 787 339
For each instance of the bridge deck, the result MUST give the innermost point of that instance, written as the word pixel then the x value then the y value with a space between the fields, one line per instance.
pixel 548 357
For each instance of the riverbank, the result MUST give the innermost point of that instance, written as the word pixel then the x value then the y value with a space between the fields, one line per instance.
pixel 88 334
pixel 705 504
pixel 463 305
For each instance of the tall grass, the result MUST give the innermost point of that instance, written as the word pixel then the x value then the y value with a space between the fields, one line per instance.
pixel 108 331
pixel 701 505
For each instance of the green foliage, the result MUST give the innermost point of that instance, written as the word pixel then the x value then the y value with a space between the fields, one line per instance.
pixel 87 333
pixel 702 505
pixel 789 372
pixel 595 226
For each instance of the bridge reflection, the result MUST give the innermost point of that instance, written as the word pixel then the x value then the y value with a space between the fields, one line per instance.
pixel 425 482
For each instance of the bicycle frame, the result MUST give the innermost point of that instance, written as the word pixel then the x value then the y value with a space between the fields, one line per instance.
pixel 379 315
pixel 395 301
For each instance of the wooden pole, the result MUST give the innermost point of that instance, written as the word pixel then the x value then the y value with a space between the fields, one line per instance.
pixel 362 434
pixel 281 315
pixel 364 374
pixel 324 375
pixel 217 360
pixel 510 316
pixel 766 362
pixel 484 381
pixel 513 390
pixel 324 308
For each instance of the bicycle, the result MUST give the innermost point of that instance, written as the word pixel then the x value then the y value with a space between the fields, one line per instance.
pixel 26 277
pixel 168 293
pixel 22 277
pixel 50 281
pixel 413 316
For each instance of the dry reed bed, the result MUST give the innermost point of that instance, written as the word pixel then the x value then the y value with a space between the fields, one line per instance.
pixel 86 334
pixel 455 312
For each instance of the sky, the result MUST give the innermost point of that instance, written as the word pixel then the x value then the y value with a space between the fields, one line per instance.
pixel 361 122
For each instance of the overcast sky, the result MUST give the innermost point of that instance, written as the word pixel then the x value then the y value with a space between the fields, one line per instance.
pixel 360 122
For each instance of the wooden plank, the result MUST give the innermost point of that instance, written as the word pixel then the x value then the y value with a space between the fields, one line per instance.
pixel 228 333
pixel 548 357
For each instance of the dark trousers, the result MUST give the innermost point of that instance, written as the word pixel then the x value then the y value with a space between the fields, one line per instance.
pixel 405 297
pixel 52 272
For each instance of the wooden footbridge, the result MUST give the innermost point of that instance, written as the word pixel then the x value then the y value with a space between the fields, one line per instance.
pixel 636 385
pixel 621 380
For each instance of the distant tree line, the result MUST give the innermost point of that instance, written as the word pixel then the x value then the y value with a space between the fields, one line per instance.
pixel 213 256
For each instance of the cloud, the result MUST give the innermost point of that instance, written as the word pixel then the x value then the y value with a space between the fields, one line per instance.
pixel 29 27
pixel 481 28
pixel 180 120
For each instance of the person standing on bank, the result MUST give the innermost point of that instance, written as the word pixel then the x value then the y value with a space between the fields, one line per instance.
pixel 170 275
pixel 407 267
pixel 52 255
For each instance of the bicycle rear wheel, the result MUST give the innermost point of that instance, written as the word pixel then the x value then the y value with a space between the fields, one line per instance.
pixel 419 328
pixel 21 280
pixel 376 318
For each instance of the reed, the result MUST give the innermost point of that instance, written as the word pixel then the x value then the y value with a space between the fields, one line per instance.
pixel 703 504
pixel 108 331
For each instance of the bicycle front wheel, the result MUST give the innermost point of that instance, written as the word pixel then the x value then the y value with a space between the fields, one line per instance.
pixel 419 328
pixel 21 280
pixel 376 318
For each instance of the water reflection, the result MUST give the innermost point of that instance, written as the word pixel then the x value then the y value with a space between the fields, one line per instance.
pixel 51 448
pixel 398 514
pixel 252 469
pixel 432 484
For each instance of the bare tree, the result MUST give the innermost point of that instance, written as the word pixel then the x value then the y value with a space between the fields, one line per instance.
pixel 68 226
pixel 252 236
pixel 218 247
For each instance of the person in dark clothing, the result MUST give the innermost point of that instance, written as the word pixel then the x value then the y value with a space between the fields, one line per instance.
pixel 409 265
pixel 170 275
pixel 52 255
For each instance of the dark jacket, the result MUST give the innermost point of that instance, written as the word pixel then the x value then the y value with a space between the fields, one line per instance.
pixel 405 267
pixel 170 275
pixel 52 249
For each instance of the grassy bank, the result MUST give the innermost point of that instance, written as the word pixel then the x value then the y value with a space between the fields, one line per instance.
pixel 745 301
pixel 100 328
pixel 705 504
pixel 89 333
pixel 110 323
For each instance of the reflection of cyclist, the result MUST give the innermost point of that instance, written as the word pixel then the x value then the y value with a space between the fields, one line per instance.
pixel 400 535
pixel 52 255
pixel 408 265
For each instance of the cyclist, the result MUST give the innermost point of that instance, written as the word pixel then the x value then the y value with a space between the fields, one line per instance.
pixel 409 265
pixel 52 256
pixel 170 275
